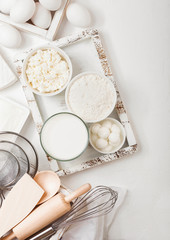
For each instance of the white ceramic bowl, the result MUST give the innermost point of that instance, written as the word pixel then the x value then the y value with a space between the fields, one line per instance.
pixel 63 54
pixel 122 132
pixel 111 86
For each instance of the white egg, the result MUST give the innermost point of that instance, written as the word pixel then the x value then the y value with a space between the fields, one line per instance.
pixel 42 17
pixel 51 5
pixel 115 129
pixel 107 123
pixel 6 5
pixel 78 15
pixel 101 143
pixel 95 128
pixel 11 37
pixel 114 139
pixel 22 11
pixel 94 138
pixel 108 148
pixel 103 132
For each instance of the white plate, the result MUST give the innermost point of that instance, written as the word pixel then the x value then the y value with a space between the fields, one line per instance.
pixel 7 77
pixel 12 115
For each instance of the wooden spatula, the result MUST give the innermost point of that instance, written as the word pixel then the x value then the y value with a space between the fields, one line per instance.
pixel 19 203
pixel 45 214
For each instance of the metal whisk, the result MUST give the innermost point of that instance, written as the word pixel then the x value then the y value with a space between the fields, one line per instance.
pixel 97 202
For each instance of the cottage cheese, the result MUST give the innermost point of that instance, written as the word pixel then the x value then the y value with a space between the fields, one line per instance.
pixel 47 71
pixel 91 96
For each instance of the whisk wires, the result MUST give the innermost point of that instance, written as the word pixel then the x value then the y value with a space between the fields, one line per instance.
pixel 97 202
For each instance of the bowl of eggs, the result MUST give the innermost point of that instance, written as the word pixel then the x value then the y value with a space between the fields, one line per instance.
pixel 107 136
pixel 47 70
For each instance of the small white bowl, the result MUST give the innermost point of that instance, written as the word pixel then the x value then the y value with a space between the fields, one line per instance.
pixel 88 73
pixel 63 54
pixel 122 132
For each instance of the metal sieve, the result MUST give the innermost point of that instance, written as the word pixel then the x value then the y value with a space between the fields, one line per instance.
pixel 19 154
pixel 9 171
pixel 26 146
pixel 17 157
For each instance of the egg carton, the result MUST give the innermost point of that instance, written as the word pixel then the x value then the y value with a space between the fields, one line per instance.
pixel 82 61
pixel 49 33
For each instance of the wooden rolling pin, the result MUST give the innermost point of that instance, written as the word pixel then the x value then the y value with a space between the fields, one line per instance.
pixel 45 214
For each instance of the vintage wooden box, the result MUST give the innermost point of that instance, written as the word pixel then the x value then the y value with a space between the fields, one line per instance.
pixel 87 54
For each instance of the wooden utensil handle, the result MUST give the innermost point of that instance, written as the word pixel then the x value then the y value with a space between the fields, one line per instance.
pixel 78 192
pixel 26 223
pixel 9 237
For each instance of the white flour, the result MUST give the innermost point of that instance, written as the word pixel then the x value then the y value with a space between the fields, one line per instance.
pixel 91 97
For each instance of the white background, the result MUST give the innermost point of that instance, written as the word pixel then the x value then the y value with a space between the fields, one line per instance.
pixel 136 36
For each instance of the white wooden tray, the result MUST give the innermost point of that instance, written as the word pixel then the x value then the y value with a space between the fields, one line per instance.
pixel 87 54
pixel 50 33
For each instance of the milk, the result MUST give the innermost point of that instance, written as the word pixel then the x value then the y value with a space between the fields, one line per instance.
pixel 64 136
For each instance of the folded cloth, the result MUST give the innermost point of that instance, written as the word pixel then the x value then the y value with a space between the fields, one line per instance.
pixel 95 228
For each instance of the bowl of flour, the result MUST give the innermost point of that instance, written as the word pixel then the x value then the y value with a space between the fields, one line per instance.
pixel 91 96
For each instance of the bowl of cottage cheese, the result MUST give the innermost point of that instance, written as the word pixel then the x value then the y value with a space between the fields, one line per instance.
pixel 47 70
pixel 91 96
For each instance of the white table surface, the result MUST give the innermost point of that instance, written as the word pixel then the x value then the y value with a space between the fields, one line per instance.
pixel 136 36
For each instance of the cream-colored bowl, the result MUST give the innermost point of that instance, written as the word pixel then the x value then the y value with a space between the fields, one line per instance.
pixel 76 78
pixel 122 136
pixel 63 55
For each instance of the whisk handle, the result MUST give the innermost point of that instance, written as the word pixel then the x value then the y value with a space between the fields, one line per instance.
pixel 9 236
pixel 78 192
pixel 42 234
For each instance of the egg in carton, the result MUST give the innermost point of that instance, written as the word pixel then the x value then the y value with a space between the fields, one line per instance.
pixel 39 17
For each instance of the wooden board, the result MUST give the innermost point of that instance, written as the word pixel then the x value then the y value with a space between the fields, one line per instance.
pixel 50 33
pixel 19 203
pixel 14 217
pixel 90 158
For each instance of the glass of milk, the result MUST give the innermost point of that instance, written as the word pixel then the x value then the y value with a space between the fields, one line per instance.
pixel 64 136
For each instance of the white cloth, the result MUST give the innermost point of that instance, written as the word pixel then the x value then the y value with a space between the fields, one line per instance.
pixel 95 228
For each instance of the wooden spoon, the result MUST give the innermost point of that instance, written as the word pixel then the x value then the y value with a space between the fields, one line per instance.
pixel 49 182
